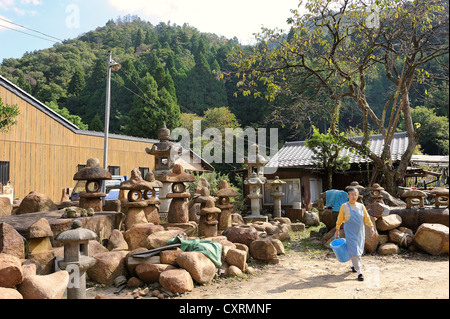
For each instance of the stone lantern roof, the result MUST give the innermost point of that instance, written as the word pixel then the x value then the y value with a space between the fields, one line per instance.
pixel 136 182
pixel 225 190
pixel 92 171
pixel 76 233
pixel 277 180
pixel 178 176
pixel 254 179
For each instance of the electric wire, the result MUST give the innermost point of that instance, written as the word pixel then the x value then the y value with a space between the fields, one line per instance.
pixel 37 31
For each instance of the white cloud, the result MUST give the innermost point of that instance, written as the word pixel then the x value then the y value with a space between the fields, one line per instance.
pixel 229 18
pixel 20 9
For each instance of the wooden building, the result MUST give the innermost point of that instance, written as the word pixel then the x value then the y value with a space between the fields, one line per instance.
pixel 43 151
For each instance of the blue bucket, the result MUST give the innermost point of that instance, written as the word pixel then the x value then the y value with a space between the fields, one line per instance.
pixel 339 247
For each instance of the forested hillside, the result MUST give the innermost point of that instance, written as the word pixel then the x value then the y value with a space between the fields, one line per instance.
pixel 169 71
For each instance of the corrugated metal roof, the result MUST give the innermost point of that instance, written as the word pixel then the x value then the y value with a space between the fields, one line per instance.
pixel 296 154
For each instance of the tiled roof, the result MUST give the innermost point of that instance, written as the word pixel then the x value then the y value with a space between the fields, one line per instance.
pixel 296 154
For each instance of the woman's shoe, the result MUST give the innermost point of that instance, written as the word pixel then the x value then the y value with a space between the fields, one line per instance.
pixel 360 277
pixel 353 269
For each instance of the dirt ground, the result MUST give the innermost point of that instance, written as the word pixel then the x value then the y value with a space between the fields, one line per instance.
pixel 297 276
pixel 310 275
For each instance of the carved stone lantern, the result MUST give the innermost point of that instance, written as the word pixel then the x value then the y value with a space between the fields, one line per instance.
pixel 441 196
pixel 94 175
pixel 414 197
pixel 164 151
pixel 135 205
pixel 277 194
pixel 375 192
pixel 39 246
pixel 76 258
pixel 223 203
pixel 255 183
pixel 178 209
pixel 207 226
pixel 152 210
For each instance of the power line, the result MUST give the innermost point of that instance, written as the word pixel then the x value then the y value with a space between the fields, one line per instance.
pixel 36 36
pixel 33 30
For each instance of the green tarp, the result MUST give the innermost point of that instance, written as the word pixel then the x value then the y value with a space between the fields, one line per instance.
pixel 211 249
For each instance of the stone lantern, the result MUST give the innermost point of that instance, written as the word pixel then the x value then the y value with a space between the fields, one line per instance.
pixel 94 175
pixel 255 183
pixel 375 192
pixel 207 226
pixel 441 196
pixel 277 194
pixel 178 209
pixel 39 246
pixel 76 258
pixel 152 210
pixel 135 205
pixel 414 197
pixel 224 193
pixel 163 151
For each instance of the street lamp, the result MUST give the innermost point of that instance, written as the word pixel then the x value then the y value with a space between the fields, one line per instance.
pixel 111 66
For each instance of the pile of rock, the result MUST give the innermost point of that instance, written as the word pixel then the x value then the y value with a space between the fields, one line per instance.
pixel 390 236
pixel 19 277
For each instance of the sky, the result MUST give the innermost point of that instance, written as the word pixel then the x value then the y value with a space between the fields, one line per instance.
pixel 67 19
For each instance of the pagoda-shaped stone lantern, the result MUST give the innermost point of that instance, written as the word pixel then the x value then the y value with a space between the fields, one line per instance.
pixel 76 258
pixel 94 175
pixel 375 192
pixel 164 151
pixel 255 181
pixel 178 209
pixel 207 226
pixel 152 210
pixel 135 205
pixel 277 194
pixel 223 203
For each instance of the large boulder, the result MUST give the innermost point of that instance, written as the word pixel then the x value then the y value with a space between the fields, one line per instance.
pixel 10 271
pixel 5 207
pixel 237 257
pixel 311 219
pixel 9 293
pixel 11 242
pixel 36 203
pixel 200 267
pixel 388 222
pixel 388 249
pixel 50 286
pixel 150 273
pixel 432 238
pixel 176 281
pixel 371 240
pixel 161 238
pixel 137 235
pixel 108 266
pixel 263 249
pixel 401 238
pixel 117 241
pixel 243 234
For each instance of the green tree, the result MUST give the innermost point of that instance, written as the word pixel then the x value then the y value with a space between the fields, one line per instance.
pixel 77 83
pixel 326 149
pixel 336 47
pixel 96 124
pixel 8 115
pixel 75 119
pixel 433 130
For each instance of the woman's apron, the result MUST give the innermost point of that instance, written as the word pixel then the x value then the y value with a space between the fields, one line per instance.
pixel 355 232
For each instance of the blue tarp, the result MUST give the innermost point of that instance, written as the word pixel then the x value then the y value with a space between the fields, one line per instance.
pixel 211 249
pixel 335 198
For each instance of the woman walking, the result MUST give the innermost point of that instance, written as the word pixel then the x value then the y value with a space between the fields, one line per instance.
pixel 354 216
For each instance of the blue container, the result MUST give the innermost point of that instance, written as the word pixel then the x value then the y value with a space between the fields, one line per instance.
pixel 339 247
